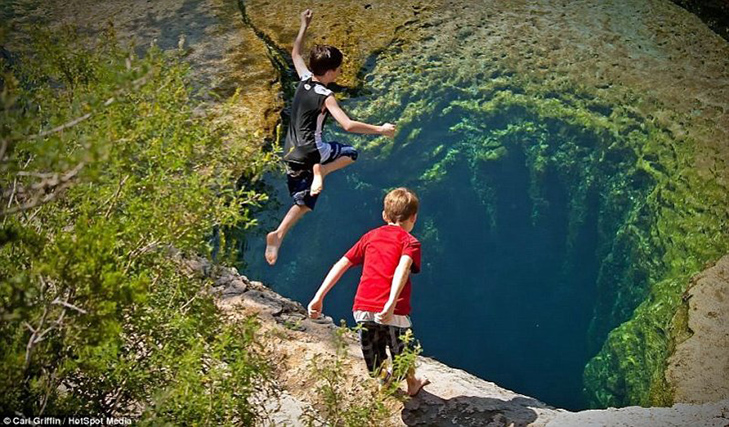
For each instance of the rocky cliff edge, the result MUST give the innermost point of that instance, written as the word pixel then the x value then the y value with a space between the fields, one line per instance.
pixel 454 397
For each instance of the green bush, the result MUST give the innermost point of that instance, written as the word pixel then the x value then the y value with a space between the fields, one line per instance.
pixel 105 168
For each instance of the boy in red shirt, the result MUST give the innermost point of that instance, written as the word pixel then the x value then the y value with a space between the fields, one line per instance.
pixel 382 303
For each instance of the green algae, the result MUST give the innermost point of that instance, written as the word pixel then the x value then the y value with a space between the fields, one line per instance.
pixel 691 235
pixel 659 224
pixel 359 29
pixel 660 219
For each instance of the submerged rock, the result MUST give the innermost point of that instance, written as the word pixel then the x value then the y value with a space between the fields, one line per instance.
pixel 715 13
pixel 224 54
pixel 360 29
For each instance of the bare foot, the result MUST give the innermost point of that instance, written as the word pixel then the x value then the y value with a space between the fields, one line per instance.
pixel 273 242
pixel 415 384
pixel 317 185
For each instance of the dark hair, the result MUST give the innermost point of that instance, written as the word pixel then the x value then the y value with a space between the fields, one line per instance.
pixel 400 204
pixel 324 58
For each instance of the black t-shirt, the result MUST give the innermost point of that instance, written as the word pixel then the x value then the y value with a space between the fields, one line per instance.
pixel 304 146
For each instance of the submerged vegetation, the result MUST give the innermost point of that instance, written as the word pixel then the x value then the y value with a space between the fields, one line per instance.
pixel 106 171
pixel 469 118
pixel 659 220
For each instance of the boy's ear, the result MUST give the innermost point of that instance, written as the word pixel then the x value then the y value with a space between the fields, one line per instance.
pixel 384 217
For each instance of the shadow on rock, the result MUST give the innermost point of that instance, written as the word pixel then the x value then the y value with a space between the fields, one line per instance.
pixel 427 409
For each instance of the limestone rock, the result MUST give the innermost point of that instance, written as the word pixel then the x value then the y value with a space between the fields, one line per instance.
pixel 681 415
pixel 454 397
pixel 698 370
pixel 225 55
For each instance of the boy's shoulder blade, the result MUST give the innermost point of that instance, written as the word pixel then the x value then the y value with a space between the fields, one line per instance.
pixel 322 90
pixel 409 237
pixel 395 230
pixel 412 238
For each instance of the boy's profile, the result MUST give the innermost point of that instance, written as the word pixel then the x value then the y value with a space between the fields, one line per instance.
pixel 382 303
pixel 308 157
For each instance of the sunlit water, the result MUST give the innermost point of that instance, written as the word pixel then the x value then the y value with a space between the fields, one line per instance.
pixel 517 212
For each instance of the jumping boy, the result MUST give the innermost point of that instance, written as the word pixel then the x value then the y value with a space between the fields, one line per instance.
pixel 382 302
pixel 308 158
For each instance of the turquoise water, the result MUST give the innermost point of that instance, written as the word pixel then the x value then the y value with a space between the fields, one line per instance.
pixel 508 287
pixel 524 202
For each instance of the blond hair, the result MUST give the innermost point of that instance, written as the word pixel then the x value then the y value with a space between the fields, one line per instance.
pixel 400 204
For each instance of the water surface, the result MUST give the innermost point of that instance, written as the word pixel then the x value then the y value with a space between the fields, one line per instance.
pixel 524 197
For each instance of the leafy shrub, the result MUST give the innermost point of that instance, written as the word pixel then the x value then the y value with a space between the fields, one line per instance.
pixel 104 166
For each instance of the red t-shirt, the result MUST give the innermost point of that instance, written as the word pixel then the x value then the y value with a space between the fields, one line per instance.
pixel 380 251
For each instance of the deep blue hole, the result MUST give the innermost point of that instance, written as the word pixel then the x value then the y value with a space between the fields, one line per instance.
pixel 506 292
pixel 511 304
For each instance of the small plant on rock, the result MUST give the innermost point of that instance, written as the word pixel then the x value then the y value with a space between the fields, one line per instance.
pixel 343 402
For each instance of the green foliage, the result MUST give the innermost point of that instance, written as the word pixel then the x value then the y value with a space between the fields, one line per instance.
pixel 404 362
pixel 354 403
pixel 105 169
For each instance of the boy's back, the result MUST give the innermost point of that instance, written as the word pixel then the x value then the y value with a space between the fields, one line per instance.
pixel 304 145
pixel 380 251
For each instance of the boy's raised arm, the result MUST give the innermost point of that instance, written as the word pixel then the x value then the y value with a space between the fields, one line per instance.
pixel 298 43
pixel 316 304
pixel 398 283
pixel 350 125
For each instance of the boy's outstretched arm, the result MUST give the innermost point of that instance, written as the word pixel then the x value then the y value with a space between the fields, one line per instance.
pixel 350 125
pixel 316 304
pixel 398 283
pixel 299 42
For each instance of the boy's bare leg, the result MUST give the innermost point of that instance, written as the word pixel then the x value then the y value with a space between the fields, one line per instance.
pixel 415 383
pixel 320 171
pixel 274 238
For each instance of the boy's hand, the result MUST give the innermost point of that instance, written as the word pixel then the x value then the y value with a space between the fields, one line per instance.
pixel 386 314
pixel 306 17
pixel 314 308
pixel 388 129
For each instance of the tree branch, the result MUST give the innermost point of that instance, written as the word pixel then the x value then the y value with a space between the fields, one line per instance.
pixel 32 341
pixel 12 195
pixel 3 149
pixel 112 200
pixel 72 123
pixel 56 183
pixel 68 305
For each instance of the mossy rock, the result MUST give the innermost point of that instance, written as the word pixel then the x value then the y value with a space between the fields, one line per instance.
pixel 360 29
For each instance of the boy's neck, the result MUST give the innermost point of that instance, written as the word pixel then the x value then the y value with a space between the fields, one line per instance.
pixel 321 79
pixel 405 225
